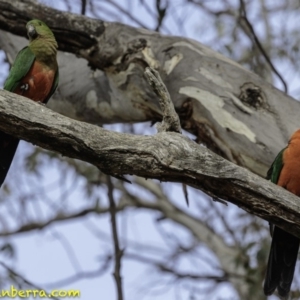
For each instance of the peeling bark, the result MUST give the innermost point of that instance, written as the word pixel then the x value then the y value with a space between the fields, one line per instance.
pixel 167 156
pixel 233 111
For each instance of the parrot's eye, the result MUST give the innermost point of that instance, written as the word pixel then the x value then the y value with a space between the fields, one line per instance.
pixel 32 34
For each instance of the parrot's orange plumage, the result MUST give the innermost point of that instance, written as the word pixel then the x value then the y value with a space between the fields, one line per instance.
pixel 290 174
pixel 37 83
pixel 285 172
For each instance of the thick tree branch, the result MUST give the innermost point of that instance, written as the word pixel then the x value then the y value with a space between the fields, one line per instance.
pixel 165 156
pixel 229 109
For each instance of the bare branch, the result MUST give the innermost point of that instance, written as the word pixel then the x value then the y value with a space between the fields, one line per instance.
pixel 127 13
pixel 69 250
pixel 82 275
pixel 118 251
pixel 162 266
pixel 59 218
pixel 186 194
pixel 243 12
pixel 26 281
pixel 171 120
pixel 202 232
pixel 161 13
pixel 83 7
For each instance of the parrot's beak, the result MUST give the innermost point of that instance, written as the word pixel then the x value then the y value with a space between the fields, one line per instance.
pixel 32 34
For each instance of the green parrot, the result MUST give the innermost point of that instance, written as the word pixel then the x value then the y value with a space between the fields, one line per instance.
pixel 285 172
pixel 34 75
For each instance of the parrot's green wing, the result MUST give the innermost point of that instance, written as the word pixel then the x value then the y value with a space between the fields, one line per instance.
pixel 276 167
pixel 273 175
pixel 20 68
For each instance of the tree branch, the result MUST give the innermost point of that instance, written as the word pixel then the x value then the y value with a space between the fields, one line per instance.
pixel 203 233
pixel 165 156
pixel 171 120
pixel 118 251
pixel 82 275
pixel 243 12
pixel 163 267
pixel 229 109
pixel 58 218
pixel 24 280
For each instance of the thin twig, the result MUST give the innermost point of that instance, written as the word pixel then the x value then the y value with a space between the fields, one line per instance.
pixel 171 120
pixel 118 251
pixel 225 223
pixel 259 45
pixel 127 13
pixel 161 14
pixel 69 250
pixel 179 274
pixel 186 194
pixel 26 281
pixel 153 15
pixel 82 275
pixel 83 7
pixel 58 218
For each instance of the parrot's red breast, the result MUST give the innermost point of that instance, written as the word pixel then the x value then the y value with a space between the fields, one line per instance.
pixel 34 74
pixel 37 83
pixel 290 174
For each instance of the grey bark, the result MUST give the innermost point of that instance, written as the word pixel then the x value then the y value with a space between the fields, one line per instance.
pixel 234 112
pixel 166 156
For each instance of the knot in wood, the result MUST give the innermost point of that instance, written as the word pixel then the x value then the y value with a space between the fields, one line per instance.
pixel 253 96
pixel 136 45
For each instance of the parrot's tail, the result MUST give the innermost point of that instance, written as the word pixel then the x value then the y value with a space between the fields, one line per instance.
pixel 8 147
pixel 282 262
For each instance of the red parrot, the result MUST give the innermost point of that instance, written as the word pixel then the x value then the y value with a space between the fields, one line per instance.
pixel 285 172
pixel 34 75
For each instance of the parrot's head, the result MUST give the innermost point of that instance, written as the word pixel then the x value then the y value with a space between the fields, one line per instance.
pixel 37 29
